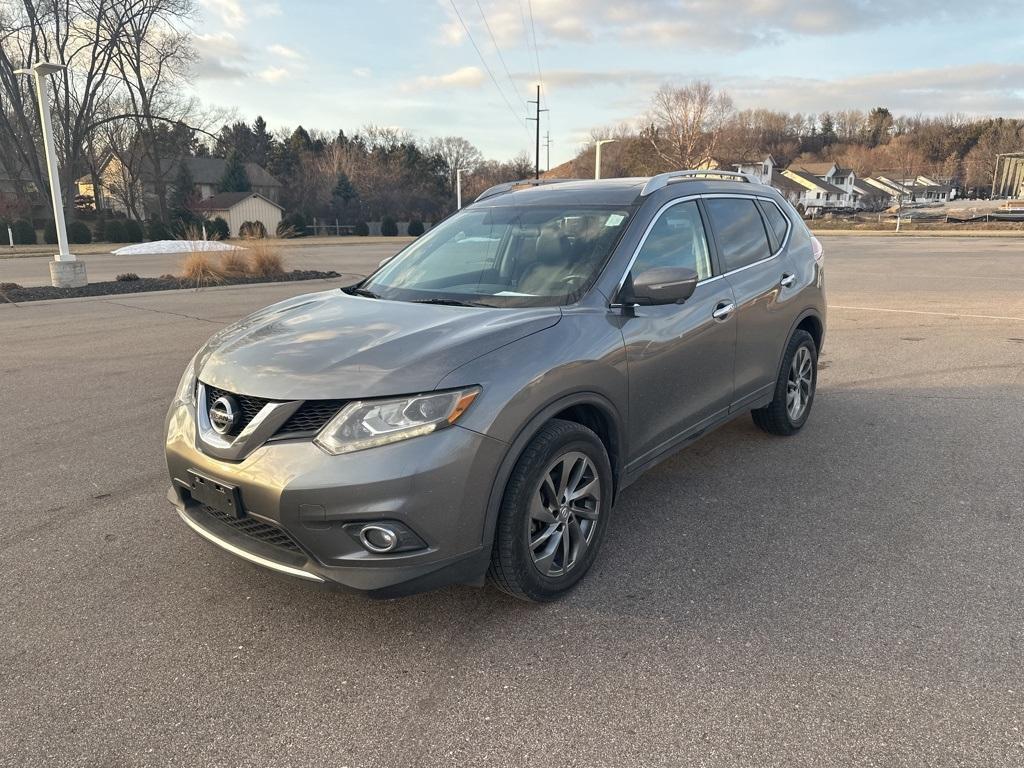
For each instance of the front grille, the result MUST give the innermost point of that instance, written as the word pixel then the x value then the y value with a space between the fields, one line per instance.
pixel 249 406
pixel 311 417
pixel 254 529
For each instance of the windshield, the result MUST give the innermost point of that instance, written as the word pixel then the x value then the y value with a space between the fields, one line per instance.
pixel 504 256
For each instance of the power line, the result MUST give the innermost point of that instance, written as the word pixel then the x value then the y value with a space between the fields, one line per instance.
pixel 536 50
pixel 496 48
pixel 484 62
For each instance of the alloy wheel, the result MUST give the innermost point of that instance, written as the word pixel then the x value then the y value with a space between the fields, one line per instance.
pixel 563 513
pixel 798 386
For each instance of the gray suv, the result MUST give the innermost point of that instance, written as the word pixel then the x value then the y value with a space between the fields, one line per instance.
pixel 474 407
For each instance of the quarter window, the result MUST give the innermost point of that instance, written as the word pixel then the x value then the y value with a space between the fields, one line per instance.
pixel 677 239
pixel 739 230
pixel 777 221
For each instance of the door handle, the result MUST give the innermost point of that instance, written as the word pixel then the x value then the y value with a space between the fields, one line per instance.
pixel 723 310
pixel 787 280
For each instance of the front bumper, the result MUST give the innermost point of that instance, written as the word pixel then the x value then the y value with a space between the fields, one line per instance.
pixel 437 485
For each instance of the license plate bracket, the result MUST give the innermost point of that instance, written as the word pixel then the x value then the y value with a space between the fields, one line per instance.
pixel 222 496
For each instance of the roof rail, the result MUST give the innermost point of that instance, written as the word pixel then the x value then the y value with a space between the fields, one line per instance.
pixel 497 189
pixel 662 179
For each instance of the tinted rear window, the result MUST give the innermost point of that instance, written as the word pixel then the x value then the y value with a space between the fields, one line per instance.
pixel 776 220
pixel 739 230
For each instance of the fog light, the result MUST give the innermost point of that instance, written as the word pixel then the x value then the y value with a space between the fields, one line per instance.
pixel 378 538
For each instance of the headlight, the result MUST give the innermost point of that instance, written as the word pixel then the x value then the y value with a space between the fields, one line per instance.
pixel 186 393
pixel 369 423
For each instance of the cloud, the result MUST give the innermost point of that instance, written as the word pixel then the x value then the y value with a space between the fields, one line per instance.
pixel 362 72
pixel 220 57
pixel 228 11
pixel 232 14
pixel 273 74
pixel 464 77
pixel 698 23
pixel 285 52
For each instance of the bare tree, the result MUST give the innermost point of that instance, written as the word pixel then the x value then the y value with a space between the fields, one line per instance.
pixel 688 122
pixel 454 153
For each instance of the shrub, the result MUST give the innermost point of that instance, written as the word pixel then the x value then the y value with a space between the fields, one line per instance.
pixel 234 264
pixel 127 277
pixel 79 233
pixel 24 232
pixel 264 260
pixel 252 230
pixel 197 268
pixel 99 229
pixel 362 229
pixel 9 287
pixel 114 231
pixel 157 230
pixel 50 233
pixel 132 231
pixel 388 227
pixel 218 229
pixel 292 225
pixel 415 228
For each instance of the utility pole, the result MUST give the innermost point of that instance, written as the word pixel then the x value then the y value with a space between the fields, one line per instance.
pixel 547 144
pixel 536 174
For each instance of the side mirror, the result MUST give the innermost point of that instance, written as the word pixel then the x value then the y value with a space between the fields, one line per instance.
pixel 661 285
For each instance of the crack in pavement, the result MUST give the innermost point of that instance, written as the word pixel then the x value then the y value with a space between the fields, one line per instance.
pixel 164 312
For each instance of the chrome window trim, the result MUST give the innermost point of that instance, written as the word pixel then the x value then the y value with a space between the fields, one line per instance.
pixel 705 196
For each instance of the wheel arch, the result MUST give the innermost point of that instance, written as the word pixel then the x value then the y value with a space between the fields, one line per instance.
pixel 592 410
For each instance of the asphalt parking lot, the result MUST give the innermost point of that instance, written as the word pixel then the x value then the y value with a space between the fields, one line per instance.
pixel 850 596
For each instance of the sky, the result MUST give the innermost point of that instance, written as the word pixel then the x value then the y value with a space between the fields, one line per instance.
pixel 468 67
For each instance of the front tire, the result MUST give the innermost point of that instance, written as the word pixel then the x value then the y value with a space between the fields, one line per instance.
pixel 787 413
pixel 554 513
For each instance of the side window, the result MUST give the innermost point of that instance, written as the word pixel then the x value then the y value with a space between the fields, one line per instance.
pixel 677 239
pixel 739 230
pixel 777 223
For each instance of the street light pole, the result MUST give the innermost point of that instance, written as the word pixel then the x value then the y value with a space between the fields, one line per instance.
pixel 458 187
pixel 65 270
pixel 597 157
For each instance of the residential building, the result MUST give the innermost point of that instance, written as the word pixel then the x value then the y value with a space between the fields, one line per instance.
pixel 239 207
pixel 817 195
pixel 119 191
pixel 844 179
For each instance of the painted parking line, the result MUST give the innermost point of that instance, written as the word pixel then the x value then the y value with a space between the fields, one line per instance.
pixel 924 312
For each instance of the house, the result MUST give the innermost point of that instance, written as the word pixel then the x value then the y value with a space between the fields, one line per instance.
pixel 238 207
pixel 762 171
pixel 872 197
pixel 817 195
pixel 118 191
pixel 831 172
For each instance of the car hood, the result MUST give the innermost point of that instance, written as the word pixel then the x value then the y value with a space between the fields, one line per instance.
pixel 332 345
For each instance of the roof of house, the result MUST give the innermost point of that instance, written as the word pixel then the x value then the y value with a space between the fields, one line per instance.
pixel 785 184
pixel 209 170
pixel 226 200
pixel 862 186
pixel 821 184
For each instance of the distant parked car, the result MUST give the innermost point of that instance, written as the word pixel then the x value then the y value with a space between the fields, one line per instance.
pixel 476 405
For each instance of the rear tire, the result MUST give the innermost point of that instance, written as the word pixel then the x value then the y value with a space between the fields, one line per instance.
pixel 554 513
pixel 787 413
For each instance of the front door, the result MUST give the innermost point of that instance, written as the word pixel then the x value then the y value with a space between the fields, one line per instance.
pixel 680 356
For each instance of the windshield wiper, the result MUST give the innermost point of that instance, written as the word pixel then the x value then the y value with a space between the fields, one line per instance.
pixel 450 302
pixel 361 292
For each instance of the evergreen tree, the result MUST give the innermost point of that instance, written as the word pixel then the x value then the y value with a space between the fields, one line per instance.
pixel 182 195
pixel 235 179
pixel 261 142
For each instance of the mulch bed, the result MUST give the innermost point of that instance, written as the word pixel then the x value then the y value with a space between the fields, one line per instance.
pixel 112 287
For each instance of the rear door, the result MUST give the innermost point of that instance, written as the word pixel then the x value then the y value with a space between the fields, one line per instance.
pixel 680 356
pixel 753 259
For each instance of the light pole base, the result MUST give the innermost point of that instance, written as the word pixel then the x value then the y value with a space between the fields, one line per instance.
pixel 68 274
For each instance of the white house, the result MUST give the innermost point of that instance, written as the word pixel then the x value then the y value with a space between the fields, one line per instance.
pixel 761 171
pixel 842 178
pixel 238 207
pixel 818 195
